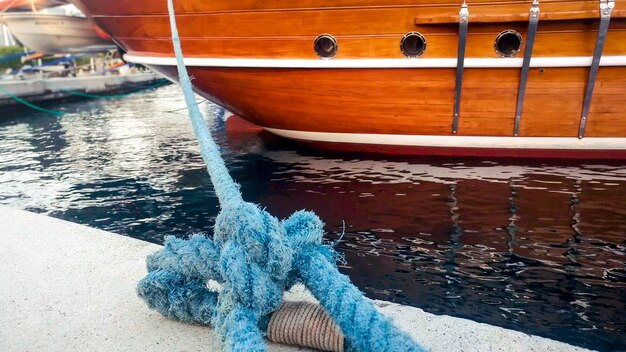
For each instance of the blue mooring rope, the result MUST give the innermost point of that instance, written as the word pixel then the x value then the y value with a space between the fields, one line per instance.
pixel 256 258
pixel 30 105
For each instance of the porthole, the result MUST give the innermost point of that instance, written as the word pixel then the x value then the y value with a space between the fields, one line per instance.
pixel 413 44
pixel 326 46
pixel 508 43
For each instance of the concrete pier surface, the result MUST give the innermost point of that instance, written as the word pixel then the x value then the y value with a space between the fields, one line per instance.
pixel 68 287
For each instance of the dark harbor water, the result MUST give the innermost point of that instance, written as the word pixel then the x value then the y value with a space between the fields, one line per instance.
pixel 537 246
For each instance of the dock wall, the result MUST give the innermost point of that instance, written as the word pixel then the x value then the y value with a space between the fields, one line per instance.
pixel 35 90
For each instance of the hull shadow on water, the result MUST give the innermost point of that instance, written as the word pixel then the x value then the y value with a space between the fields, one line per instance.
pixel 530 245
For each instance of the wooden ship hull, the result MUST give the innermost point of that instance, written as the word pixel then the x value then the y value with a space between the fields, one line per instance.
pixel 435 76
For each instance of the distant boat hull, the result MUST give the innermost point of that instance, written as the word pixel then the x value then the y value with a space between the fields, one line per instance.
pixel 52 33
pixel 28 5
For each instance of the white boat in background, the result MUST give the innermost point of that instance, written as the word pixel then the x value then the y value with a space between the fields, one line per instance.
pixel 29 5
pixel 53 33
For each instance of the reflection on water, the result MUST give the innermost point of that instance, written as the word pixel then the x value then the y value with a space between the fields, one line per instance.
pixel 530 245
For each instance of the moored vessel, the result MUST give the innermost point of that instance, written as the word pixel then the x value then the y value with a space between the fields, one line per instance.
pixel 28 5
pixel 433 76
pixel 56 33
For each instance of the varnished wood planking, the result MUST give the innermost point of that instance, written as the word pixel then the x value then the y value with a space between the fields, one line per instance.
pixel 342 22
pixel 334 100
pixel 575 11
pixel 388 46
pixel 608 109
pixel 112 8
pixel 439 46
pixel 412 101
pixel 365 31
pixel 406 101
pixel 553 102
pixel 488 102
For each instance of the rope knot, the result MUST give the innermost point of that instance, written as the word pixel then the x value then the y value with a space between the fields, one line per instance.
pixel 256 256
pixel 305 231
pixel 304 228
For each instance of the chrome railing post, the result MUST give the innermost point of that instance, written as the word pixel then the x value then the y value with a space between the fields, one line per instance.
pixel 533 22
pixel 606 8
pixel 463 24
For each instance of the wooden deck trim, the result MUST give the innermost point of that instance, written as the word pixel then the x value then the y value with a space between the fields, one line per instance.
pixel 515 17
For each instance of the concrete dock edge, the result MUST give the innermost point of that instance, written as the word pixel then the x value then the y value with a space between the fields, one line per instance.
pixel 68 287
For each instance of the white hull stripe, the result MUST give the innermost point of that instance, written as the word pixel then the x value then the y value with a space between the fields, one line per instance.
pixel 559 143
pixel 570 61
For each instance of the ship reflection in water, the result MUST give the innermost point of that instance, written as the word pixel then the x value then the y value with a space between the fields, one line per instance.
pixel 530 245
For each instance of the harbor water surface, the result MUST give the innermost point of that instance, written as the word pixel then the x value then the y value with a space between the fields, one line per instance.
pixel 533 245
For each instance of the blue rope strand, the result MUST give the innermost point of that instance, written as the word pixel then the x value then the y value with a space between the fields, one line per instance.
pixel 225 187
pixel 255 257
